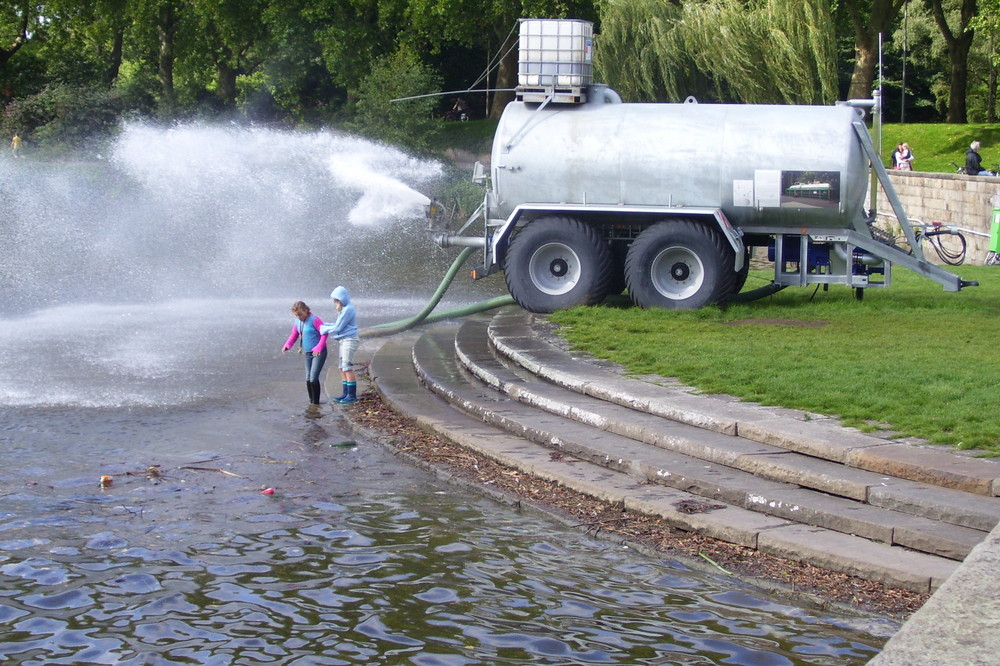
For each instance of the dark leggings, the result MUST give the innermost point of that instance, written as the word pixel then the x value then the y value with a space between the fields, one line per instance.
pixel 314 365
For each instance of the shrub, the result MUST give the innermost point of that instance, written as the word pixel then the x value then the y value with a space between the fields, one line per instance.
pixel 64 117
pixel 408 124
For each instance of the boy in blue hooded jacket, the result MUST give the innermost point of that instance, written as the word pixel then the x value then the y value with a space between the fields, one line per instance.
pixel 345 329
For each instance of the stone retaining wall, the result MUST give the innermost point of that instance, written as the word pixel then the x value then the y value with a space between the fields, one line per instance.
pixel 954 199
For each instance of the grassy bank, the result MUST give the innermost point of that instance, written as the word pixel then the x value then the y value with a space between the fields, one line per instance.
pixel 911 359
pixel 936 145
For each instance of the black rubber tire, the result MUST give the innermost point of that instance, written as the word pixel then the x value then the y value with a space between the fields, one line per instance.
pixel 557 262
pixel 679 265
pixel 736 280
pixel 616 283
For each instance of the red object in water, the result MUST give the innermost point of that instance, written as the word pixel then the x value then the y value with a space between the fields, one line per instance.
pixel 267 491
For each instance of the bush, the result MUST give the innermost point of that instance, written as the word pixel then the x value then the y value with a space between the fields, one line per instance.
pixel 408 124
pixel 64 117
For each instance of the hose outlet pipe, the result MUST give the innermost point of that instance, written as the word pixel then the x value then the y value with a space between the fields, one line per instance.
pixel 450 240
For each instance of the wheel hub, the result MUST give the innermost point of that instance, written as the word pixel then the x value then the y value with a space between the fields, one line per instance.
pixel 680 271
pixel 554 268
pixel 677 272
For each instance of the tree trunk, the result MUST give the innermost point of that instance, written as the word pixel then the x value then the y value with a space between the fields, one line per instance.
pixel 865 63
pixel 959 44
pixel 866 32
pixel 167 27
pixel 226 80
pixel 991 95
pixel 115 59
pixel 957 107
pixel 19 41
pixel 506 78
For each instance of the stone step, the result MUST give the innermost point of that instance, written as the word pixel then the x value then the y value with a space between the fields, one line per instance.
pixel 394 376
pixel 512 334
pixel 770 462
pixel 437 366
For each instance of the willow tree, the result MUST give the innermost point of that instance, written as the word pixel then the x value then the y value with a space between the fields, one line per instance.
pixel 754 51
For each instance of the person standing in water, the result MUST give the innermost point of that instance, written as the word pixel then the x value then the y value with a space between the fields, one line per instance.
pixel 345 329
pixel 307 326
pixel 15 145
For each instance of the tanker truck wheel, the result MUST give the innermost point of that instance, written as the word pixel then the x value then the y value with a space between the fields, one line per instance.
pixel 557 262
pixel 678 265
pixel 736 280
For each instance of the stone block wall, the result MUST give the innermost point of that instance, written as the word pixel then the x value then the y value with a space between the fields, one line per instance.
pixel 954 199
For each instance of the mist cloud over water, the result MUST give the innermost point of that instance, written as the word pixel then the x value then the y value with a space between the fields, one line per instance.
pixel 162 272
pixel 204 211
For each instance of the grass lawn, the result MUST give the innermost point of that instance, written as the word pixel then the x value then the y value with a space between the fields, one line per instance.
pixel 911 359
pixel 935 145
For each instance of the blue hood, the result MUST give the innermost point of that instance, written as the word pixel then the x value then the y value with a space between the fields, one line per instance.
pixel 340 293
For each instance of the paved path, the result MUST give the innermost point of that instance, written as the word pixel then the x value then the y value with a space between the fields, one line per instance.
pixel 788 484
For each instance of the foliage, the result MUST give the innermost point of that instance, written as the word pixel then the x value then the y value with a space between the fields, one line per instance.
pixel 305 61
pixel 383 114
pixel 475 136
pixel 911 359
pixel 763 51
pixel 63 117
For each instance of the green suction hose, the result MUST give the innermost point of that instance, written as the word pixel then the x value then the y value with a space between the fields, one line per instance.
pixel 424 315
pixel 756 294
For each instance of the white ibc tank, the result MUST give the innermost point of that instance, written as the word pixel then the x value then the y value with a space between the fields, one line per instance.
pixel 788 166
pixel 555 53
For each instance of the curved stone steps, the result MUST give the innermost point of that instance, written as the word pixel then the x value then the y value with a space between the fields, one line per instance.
pixel 578 428
pixel 394 376
pixel 769 462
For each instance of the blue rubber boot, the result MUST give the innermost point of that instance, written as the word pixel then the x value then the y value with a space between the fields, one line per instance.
pixel 340 398
pixel 352 393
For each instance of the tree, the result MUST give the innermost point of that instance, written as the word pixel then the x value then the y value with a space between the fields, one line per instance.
pixel 756 51
pixel 18 20
pixel 869 19
pixel 959 43
pixel 470 22
pixel 166 30
pixel 382 114
pixel 987 22
pixel 235 37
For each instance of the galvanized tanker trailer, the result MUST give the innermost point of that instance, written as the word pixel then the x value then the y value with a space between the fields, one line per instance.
pixel 587 195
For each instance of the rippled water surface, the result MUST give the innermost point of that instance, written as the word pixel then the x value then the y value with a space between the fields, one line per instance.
pixel 145 300
pixel 356 558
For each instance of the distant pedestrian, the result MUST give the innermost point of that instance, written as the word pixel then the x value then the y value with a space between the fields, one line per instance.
pixel 903 157
pixel 906 158
pixel 345 329
pixel 15 146
pixel 973 162
pixel 313 341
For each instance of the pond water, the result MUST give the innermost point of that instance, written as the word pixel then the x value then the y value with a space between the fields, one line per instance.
pixel 145 298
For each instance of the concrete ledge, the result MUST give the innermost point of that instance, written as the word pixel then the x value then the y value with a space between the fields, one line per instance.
pixel 939 468
pixel 870 560
pixel 960 623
